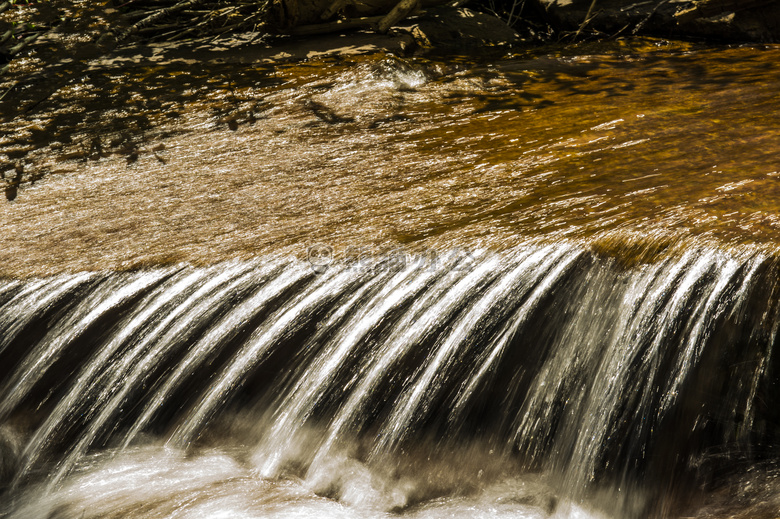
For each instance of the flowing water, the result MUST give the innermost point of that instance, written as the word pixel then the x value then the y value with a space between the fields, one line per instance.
pixel 540 286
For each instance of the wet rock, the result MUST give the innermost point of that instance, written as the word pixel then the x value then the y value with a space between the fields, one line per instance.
pixel 450 29
pixel 12 181
pixel 606 16
pixel 11 191
pixel 737 23
pixel 729 20
pixel 293 13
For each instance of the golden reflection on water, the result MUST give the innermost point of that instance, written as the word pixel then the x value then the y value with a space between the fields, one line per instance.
pixel 615 144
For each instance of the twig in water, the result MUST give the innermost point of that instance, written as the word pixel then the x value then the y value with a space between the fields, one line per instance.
pixel 646 18
pixel 586 21
pixel 512 11
pixel 9 88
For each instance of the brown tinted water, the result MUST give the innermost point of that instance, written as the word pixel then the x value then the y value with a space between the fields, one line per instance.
pixel 617 144
pixel 626 147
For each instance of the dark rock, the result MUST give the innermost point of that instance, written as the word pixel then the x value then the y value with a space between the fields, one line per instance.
pixel 293 13
pixel 727 20
pixel 11 190
pixel 451 29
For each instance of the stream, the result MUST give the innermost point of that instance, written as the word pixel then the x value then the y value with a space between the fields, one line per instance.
pixel 536 285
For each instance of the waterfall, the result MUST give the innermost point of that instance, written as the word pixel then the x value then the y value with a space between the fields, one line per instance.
pixel 554 358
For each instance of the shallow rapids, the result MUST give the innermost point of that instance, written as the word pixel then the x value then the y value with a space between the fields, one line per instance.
pixel 621 142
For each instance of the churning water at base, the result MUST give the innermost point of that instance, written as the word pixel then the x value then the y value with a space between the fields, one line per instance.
pixel 546 381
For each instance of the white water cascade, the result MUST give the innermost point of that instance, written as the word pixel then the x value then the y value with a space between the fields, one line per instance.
pixel 531 383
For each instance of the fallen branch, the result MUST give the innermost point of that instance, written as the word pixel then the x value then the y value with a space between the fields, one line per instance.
pixel 24 43
pixel 7 36
pixel 399 12
pixel 159 28
pixel 156 17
